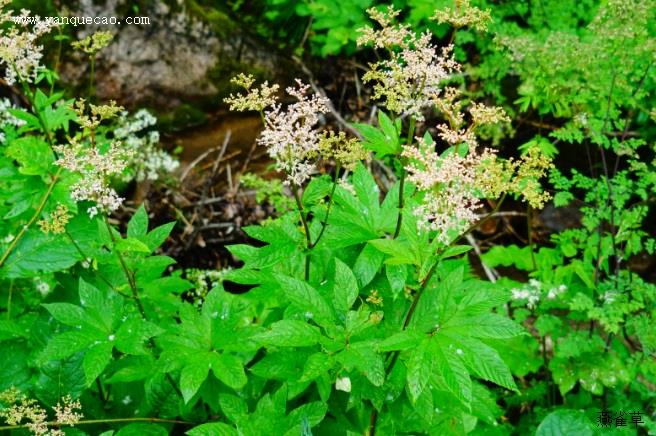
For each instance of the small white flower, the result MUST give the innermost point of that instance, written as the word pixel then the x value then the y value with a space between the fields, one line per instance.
pixel 343 384
pixel 290 135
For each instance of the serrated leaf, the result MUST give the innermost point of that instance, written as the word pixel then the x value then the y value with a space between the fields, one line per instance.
pixel 454 373
pixel 33 155
pixel 95 361
pixel 132 333
pixel 289 333
pixel 67 314
pixel 565 422
pixel 213 429
pixel 482 360
pixel 192 377
pixel 132 245
pixel 304 296
pixel 484 326
pixel 419 367
pixel 66 344
pixel 318 188
pixel 367 265
pixel 400 341
pixel 138 224
pixel 455 250
pixel 316 365
pixel 233 407
pixel 375 140
pixel 59 378
pixel 229 369
pixel 345 288
pixel 158 235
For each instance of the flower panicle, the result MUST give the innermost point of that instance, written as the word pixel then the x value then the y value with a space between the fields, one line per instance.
pixel 415 72
pixel 93 43
pixel 20 52
pixel 290 134
pixel 463 14
pixel 255 99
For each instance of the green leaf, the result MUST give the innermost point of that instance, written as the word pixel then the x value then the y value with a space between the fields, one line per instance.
pixel 95 361
pixel 316 365
pixel 484 326
pixel 367 265
pixel 455 250
pixel 229 369
pixel 142 429
pixel 565 422
pixel 67 344
pixel 400 252
pixel 318 188
pixel 345 288
pixel 419 368
pixel 482 360
pixel 158 235
pixel 289 333
pixel 192 377
pixel 396 276
pixel 132 333
pixel 31 120
pixel 66 313
pixel 454 373
pixel 374 140
pixel 33 155
pixel 233 407
pixel 138 224
pixel 37 252
pixel 213 429
pixel 305 297
pixel 389 128
pixel 400 341
pixel 58 378
pixel 132 245
pixel 366 190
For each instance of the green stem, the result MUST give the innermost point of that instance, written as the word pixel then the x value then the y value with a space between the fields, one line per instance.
pixel 92 66
pixel 529 226
pixel 84 259
pixel 306 228
pixel 324 224
pixel 126 271
pixel 399 219
pixel 103 421
pixel 34 217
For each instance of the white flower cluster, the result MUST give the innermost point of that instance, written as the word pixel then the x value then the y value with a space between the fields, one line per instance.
pixel 532 292
pixel 290 135
pixel 450 185
pixel 95 169
pixel 415 72
pixel 19 52
pixel 148 161
pixel 7 119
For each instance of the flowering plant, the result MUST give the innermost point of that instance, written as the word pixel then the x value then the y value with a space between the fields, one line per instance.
pixel 359 309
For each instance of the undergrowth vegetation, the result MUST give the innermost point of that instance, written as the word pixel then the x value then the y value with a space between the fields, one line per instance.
pixel 371 307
